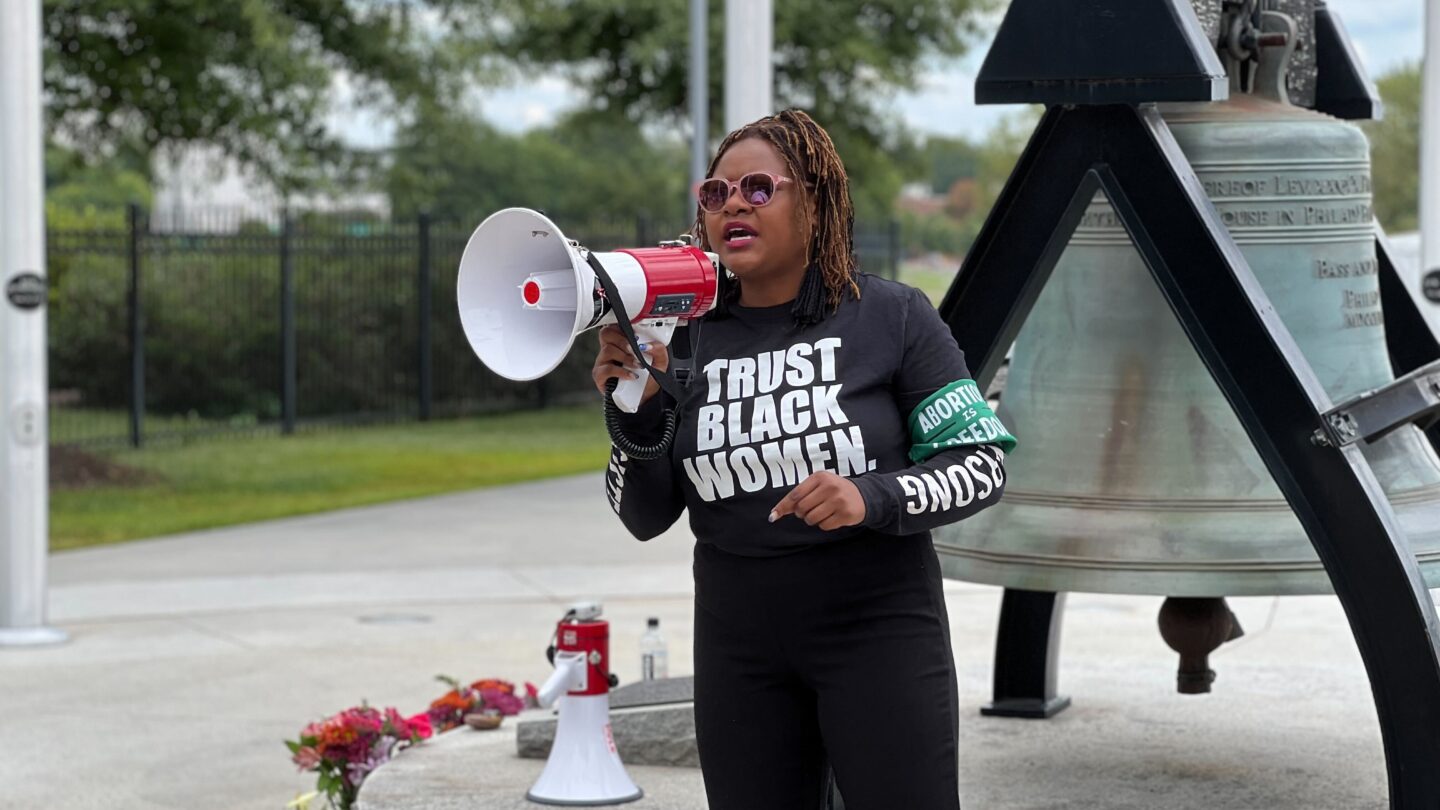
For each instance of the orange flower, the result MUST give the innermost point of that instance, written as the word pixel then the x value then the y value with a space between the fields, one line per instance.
pixel 452 701
pixel 335 734
pixel 493 683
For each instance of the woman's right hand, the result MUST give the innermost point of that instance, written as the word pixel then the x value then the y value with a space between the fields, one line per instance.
pixel 616 359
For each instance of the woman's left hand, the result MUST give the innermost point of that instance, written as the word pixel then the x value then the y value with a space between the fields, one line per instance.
pixel 824 499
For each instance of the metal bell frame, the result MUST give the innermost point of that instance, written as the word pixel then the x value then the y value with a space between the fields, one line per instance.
pixel 1127 151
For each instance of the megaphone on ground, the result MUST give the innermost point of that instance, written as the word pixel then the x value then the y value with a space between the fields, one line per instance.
pixel 525 291
pixel 584 767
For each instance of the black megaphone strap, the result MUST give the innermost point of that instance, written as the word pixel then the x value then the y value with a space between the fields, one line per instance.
pixel 667 381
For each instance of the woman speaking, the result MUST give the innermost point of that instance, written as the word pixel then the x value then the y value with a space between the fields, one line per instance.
pixel 829 424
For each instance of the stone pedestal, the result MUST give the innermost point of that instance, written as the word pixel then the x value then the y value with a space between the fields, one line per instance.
pixel 653 723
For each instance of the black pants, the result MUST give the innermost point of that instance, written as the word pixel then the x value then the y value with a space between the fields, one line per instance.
pixel 840 653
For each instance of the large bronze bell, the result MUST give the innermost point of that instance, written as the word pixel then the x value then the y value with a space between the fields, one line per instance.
pixel 1133 474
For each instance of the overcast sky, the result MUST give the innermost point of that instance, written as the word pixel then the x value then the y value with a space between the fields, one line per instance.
pixel 1386 33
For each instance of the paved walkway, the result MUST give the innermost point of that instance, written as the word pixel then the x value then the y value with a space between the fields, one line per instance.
pixel 193 656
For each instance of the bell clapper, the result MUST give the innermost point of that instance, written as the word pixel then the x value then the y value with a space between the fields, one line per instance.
pixel 1196 627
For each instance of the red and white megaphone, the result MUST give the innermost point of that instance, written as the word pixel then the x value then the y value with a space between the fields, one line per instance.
pixel 525 292
pixel 584 766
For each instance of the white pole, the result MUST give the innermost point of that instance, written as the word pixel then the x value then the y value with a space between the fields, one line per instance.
pixel 749 72
pixel 699 96
pixel 24 522
pixel 1430 165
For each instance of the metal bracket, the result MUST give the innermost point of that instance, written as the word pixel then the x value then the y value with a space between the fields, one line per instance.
pixel 1413 398
pixel 683 240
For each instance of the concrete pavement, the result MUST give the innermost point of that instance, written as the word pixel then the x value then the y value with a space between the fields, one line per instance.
pixel 193 656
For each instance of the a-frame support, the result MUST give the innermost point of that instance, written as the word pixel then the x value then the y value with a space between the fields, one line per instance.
pixel 1129 153
pixel 1407 334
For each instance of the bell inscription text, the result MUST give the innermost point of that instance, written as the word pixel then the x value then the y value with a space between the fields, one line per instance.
pixel 1325 207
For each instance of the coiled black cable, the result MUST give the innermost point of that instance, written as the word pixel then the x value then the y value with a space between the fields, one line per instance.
pixel 628 446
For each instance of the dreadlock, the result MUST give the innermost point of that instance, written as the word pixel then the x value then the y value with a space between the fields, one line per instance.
pixel 811 159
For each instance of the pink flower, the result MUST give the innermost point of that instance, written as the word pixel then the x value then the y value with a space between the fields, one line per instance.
pixel 363 719
pixel 307 758
pixel 346 747
pixel 503 702
pixel 420 726
pixel 395 722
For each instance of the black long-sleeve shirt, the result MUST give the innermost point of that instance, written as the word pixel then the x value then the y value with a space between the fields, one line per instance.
pixel 771 402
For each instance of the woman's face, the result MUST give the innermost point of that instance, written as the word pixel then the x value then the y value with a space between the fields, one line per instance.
pixel 765 243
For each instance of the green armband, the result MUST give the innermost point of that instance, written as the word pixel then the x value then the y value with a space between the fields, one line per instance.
pixel 955 415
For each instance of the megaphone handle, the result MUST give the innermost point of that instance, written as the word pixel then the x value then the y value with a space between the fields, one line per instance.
pixel 629 392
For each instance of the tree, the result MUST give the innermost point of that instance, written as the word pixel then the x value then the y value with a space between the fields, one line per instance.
pixel 946 160
pixel 838 59
pixel 962 198
pixel 1000 151
pixel 80 197
pixel 980 171
pixel 1395 149
pixel 253 77
pixel 592 166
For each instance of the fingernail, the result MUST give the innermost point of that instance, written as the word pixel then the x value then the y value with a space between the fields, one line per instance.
pixel 773 517
pixel 644 347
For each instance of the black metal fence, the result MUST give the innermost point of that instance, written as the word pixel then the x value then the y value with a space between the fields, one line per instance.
pixel 286 324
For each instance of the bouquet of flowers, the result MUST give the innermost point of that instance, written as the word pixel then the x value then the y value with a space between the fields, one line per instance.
pixel 486 696
pixel 345 748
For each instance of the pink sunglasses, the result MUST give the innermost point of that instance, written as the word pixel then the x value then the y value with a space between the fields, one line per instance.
pixel 756 189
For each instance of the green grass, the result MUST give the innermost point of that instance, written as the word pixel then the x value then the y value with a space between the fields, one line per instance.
pixel 70 424
pixel 934 283
pixel 226 481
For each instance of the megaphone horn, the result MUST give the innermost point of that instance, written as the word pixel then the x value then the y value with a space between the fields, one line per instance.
pixel 525 291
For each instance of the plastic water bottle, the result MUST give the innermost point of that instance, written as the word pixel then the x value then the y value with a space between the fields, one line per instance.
pixel 654 657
